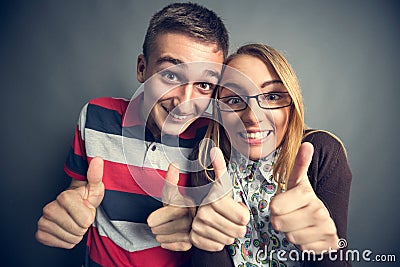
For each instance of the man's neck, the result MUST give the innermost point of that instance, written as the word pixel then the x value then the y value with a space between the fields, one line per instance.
pixel 149 122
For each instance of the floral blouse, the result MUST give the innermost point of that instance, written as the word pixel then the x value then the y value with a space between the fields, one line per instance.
pixel 253 184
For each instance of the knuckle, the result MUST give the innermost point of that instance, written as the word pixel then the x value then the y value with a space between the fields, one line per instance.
pixel 183 246
pixel 196 227
pixel 218 247
pixel 201 212
pixel 41 237
pixel 88 220
pixel 334 244
pixel 229 240
pixel 186 246
pixel 273 207
pixel 204 216
pixel 331 229
pixel 320 214
pixel 244 218
pixel 49 209
pixel 291 238
pixel 75 240
pixel 159 239
pixel 241 232
pixel 193 237
pixel 64 197
pixel 275 223
pixel 70 246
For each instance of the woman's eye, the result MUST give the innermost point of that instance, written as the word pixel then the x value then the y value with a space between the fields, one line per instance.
pixel 234 100
pixel 272 97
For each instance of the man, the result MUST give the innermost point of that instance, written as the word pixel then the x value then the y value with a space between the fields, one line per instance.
pixel 103 198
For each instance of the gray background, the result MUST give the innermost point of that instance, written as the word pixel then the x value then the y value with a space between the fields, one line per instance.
pixel 56 55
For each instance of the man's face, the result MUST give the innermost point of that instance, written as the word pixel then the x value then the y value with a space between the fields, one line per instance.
pixel 180 76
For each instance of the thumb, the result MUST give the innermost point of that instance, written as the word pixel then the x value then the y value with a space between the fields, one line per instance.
pixel 222 184
pixel 95 186
pixel 170 192
pixel 301 164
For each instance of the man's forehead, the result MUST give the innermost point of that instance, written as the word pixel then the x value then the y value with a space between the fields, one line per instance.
pixel 185 48
pixel 196 70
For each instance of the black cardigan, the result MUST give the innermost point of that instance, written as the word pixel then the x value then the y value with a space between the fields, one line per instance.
pixel 330 176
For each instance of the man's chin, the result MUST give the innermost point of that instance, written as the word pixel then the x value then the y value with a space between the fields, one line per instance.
pixel 174 129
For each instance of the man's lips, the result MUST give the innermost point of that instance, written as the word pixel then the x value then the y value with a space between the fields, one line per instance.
pixel 177 117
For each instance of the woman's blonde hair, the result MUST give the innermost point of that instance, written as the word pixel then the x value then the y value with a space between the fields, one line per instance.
pixel 292 139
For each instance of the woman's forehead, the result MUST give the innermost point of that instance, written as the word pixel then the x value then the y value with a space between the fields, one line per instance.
pixel 247 71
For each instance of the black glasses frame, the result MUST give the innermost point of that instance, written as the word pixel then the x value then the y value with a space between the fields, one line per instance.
pixel 247 98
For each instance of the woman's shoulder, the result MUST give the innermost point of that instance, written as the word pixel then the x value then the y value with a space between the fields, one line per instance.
pixel 324 141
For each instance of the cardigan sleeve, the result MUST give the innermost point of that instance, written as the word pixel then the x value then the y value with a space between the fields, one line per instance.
pixel 330 176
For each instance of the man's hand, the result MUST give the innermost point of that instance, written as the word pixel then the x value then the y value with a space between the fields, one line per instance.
pixel 66 219
pixel 220 221
pixel 300 213
pixel 171 224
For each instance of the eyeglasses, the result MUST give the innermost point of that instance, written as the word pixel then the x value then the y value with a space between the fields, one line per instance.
pixel 273 100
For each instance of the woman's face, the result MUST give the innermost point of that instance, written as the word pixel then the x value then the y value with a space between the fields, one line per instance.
pixel 254 131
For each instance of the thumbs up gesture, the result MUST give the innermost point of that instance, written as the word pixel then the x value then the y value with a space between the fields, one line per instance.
pixel 66 219
pixel 171 224
pixel 219 220
pixel 299 213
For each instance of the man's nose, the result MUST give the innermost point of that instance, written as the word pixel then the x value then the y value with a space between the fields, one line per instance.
pixel 184 98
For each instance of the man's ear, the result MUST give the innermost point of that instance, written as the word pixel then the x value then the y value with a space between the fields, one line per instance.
pixel 141 68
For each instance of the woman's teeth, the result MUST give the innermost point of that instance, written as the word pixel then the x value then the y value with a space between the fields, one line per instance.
pixel 257 135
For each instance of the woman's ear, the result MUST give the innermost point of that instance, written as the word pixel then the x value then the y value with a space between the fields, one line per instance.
pixel 141 68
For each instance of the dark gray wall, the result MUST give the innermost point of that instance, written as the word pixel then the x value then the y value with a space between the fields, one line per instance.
pixel 56 55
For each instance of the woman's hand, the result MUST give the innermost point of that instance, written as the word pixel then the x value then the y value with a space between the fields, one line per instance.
pixel 219 220
pixel 300 213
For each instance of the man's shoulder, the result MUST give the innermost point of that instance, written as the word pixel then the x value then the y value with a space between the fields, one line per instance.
pixel 105 114
pixel 197 129
pixel 110 103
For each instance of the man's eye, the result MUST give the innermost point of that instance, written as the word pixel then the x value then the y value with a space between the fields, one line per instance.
pixel 205 86
pixel 170 76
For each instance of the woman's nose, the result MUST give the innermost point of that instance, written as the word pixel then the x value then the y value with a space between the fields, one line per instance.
pixel 254 113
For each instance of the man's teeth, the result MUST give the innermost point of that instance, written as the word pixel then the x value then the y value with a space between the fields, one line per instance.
pixel 177 116
pixel 257 135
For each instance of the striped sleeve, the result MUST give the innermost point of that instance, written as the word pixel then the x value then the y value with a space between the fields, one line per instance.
pixel 76 164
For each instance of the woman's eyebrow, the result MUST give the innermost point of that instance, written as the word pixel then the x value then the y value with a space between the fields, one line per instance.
pixel 231 85
pixel 265 84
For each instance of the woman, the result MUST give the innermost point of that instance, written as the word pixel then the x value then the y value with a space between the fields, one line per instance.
pixel 259 126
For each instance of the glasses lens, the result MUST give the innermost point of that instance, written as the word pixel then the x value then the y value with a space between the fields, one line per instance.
pixel 274 100
pixel 231 103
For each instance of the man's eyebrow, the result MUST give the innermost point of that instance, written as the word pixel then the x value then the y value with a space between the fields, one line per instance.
pixel 168 59
pixel 270 82
pixel 212 74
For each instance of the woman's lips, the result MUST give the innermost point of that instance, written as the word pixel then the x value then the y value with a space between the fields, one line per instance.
pixel 258 137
